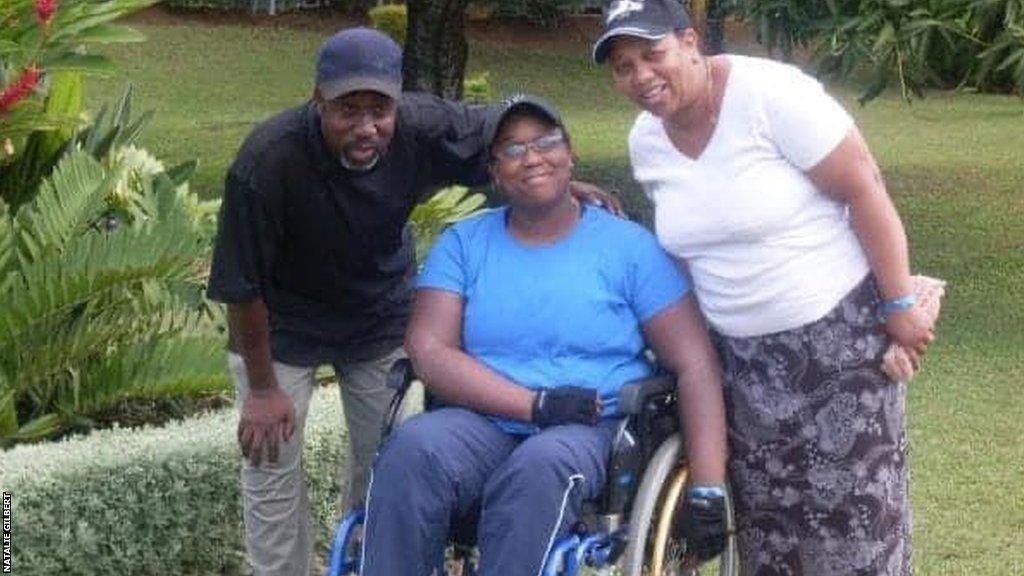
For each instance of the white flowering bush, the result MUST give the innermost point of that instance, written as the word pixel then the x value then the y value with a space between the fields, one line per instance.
pixel 134 171
pixel 154 500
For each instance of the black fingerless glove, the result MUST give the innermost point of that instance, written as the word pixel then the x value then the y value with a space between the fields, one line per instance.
pixel 565 405
pixel 703 522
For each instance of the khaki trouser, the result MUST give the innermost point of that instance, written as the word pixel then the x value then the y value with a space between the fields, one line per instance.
pixel 278 531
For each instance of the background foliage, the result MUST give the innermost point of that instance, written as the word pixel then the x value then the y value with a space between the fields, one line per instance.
pixel 392 19
pixel 101 246
pixel 914 44
pixel 540 12
pixel 100 296
pixel 44 51
pixel 122 502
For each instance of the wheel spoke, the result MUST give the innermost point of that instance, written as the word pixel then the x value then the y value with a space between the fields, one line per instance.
pixel 663 529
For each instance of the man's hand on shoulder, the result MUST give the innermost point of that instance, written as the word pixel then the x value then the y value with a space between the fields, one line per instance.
pixel 267 419
pixel 591 194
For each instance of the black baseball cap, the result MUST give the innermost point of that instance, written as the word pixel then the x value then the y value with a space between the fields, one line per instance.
pixel 648 19
pixel 514 103
pixel 359 59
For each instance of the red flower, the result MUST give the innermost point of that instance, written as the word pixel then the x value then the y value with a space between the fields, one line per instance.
pixel 17 91
pixel 45 10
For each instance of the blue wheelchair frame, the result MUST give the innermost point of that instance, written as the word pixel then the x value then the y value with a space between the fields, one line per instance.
pixel 600 540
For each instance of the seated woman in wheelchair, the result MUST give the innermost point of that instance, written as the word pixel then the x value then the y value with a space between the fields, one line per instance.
pixel 528 319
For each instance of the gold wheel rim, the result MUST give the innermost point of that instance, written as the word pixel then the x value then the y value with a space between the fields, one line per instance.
pixel 669 501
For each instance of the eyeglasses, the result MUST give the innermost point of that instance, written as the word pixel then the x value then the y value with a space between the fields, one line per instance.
pixel 518 150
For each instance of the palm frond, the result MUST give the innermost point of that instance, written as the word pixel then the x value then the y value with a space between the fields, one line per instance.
pixel 7 260
pixel 68 200
pixel 155 368
pixel 94 266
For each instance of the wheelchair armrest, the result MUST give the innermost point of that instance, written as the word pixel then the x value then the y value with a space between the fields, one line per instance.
pixel 400 375
pixel 634 395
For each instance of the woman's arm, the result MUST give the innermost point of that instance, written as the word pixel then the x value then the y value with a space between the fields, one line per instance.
pixel 680 339
pixel 434 344
pixel 849 173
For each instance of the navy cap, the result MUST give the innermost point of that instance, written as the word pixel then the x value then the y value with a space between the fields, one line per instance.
pixel 648 19
pixel 500 112
pixel 359 59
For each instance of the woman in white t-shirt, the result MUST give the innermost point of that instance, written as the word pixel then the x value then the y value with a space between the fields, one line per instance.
pixel 765 188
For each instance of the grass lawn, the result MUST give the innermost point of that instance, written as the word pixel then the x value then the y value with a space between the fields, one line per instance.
pixel 955 165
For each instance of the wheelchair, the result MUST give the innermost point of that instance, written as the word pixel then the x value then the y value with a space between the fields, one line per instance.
pixel 629 527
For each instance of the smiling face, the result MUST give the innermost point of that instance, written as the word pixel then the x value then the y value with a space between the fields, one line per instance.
pixel 531 162
pixel 358 126
pixel 664 77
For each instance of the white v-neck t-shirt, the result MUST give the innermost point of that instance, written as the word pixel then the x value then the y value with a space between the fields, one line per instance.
pixel 767 250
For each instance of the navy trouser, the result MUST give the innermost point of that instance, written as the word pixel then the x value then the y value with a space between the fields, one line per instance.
pixel 451 464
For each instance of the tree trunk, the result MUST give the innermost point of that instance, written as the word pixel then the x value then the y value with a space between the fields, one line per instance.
pixel 435 47
pixel 714 39
pixel 707 18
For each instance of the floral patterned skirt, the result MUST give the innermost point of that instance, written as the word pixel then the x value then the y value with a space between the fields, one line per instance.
pixel 818 448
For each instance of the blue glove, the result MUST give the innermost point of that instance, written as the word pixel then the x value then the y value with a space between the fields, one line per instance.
pixel 703 522
pixel 565 405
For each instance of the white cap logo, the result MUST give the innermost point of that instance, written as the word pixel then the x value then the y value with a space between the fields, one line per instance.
pixel 621 8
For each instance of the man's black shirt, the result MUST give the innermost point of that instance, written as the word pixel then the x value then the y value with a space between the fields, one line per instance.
pixel 329 250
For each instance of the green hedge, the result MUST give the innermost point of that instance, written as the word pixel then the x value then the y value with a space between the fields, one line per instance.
pixel 546 13
pixel 391 19
pixel 262 6
pixel 152 501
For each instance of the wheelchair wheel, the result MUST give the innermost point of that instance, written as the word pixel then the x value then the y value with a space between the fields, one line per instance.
pixel 652 549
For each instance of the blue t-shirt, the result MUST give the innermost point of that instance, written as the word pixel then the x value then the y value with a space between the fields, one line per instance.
pixel 564 313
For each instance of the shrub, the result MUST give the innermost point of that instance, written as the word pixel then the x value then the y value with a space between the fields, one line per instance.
pixel 783 25
pixel 154 500
pixel 262 6
pixel 1000 25
pixel 209 4
pixel 42 59
pixel 477 89
pixel 915 44
pixel 479 11
pixel 95 309
pixel 392 19
pixel 546 13
pixel 446 206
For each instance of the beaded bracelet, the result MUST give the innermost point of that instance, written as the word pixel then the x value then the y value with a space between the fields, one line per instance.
pixel 707 492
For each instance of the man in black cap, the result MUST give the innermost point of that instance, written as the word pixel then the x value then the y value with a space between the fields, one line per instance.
pixel 314 259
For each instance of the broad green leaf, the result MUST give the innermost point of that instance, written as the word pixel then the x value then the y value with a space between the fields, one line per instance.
pixel 38 428
pixel 885 39
pixel 63 99
pixel 182 172
pixel 8 415
pixel 84 63
pixel 9 47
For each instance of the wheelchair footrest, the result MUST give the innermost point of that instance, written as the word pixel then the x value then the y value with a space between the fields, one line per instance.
pixel 574 551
